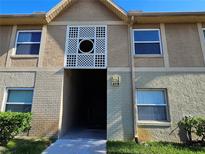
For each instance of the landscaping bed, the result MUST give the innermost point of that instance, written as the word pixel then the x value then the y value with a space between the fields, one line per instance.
pixel 25 145
pixel 153 148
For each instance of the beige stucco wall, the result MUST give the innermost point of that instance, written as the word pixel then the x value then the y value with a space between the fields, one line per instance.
pixel 23 62
pixel 118 46
pixel 53 55
pixel 184 46
pixel 186 95
pixel 146 26
pixel 87 10
pixel 119 108
pixel 148 61
pixel 5 35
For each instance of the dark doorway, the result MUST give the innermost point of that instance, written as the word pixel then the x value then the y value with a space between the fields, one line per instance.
pixel 89 107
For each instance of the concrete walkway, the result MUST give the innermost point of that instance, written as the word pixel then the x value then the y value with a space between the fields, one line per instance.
pixel 80 142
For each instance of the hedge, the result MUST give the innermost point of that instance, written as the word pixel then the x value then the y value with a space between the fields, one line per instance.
pixel 13 123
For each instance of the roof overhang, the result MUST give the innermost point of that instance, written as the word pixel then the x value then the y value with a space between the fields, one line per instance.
pixel 31 19
pixel 130 17
pixel 167 17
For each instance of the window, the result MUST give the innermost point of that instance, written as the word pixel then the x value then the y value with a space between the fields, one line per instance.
pixel 147 42
pixel 28 42
pixel 204 32
pixel 19 100
pixel 152 105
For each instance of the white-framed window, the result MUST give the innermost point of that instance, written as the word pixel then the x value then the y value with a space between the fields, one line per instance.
pixel 204 32
pixel 28 42
pixel 19 99
pixel 152 105
pixel 147 42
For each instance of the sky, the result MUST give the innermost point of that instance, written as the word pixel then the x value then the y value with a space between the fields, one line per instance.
pixel 30 6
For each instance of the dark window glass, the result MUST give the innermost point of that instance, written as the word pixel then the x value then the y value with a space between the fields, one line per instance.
pixel 18 108
pixel 23 49
pixel 146 36
pixel 147 48
pixel 204 33
pixel 157 113
pixel 29 37
pixel 22 96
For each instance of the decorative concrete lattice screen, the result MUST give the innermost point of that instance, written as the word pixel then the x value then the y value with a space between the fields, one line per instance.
pixel 86 47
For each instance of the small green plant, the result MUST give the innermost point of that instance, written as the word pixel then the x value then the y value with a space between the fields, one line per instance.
pixel 13 123
pixel 193 125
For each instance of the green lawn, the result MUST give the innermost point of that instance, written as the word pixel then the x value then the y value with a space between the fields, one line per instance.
pixel 26 146
pixel 152 148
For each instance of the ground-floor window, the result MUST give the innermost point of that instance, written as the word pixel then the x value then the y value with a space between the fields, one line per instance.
pixel 152 104
pixel 19 100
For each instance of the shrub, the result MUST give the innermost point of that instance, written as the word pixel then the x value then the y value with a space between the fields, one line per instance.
pixel 193 125
pixel 13 123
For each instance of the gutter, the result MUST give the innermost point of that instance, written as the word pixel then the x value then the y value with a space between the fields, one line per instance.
pixel 132 67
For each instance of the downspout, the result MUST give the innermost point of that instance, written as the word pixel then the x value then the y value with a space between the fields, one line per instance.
pixel 132 67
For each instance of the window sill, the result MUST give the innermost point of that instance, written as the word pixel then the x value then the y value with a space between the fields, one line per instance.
pixel 24 56
pixel 154 123
pixel 148 56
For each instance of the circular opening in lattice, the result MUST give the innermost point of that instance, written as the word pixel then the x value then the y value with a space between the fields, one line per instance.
pixel 86 46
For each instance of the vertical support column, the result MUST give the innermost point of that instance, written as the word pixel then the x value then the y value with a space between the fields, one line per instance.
pixel 42 46
pixel 11 46
pixel 202 39
pixel 164 45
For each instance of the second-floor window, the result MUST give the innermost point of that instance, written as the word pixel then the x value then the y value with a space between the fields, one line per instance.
pixel 28 42
pixel 147 42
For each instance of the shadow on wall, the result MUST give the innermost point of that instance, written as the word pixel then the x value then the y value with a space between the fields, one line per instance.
pixel 55 46
pixel 5 33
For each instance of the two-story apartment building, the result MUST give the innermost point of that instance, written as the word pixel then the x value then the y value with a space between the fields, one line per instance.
pixel 89 64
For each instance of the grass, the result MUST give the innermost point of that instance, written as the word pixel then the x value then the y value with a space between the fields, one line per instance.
pixel 152 148
pixel 26 146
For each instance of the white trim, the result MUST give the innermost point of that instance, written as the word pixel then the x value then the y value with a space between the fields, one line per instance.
pixel 16 42
pixel 170 69
pixel 93 54
pixel 4 103
pixel 138 42
pixel 153 123
pixel 148 56
pixel 164 45
pixel 112 69
pixel 202 38
pixel 151 105
pixel 24 56
pixel 71 23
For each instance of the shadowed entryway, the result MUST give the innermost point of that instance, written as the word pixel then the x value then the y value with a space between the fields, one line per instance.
pixel 85 100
